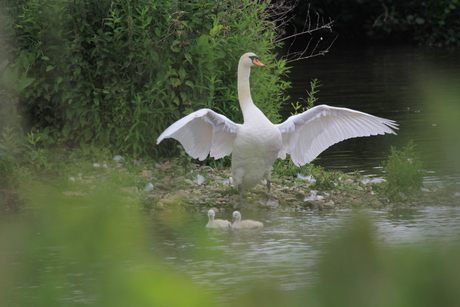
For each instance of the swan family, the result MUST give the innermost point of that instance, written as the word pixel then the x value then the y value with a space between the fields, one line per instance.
pixel 237 222
pixel 257 143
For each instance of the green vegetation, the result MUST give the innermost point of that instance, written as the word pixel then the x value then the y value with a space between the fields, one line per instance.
pixel 403 172
pixel 114 74
pixel 311 99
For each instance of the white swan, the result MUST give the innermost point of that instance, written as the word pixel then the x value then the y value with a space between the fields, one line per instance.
pixel 246 224
pixel 212 223
pixel 257 142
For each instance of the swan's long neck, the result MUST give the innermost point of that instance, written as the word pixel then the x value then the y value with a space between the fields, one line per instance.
pixel 244 91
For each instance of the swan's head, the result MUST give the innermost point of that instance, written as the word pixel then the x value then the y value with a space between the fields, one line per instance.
pixel 250 59
pixel 236 215
pixel 211 213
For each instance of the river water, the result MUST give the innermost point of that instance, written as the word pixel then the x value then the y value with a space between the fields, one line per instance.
pixel 417 87
pixel 286 251
pixel 72 258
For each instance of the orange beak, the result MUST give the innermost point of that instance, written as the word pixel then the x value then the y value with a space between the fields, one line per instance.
pixel 256 61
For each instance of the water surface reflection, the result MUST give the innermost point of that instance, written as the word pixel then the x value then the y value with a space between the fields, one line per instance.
pixel 285 252
pixel 416 87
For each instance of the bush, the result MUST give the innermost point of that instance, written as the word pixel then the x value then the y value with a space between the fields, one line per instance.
pixel 403 172
pixel 114 74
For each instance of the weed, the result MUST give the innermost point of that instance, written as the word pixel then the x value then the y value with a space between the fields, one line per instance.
pixel 311 99
pixel 403 172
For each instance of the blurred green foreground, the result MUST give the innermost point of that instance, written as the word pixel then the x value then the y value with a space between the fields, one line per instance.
pixel 94 251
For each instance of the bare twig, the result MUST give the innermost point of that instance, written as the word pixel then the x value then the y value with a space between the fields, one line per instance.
pixel 311 36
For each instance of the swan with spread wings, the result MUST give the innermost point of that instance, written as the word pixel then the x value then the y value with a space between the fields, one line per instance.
pixel 257 143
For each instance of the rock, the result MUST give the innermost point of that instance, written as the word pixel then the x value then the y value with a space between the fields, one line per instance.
pixel 175 198
pixel 329 205
pixel 145 174
pixel 118 158
pixel 314 205
pixel 300 196
pixel 199 179
pixel 165 186
pixel 308 178
pixel 163 166
pixel 148 187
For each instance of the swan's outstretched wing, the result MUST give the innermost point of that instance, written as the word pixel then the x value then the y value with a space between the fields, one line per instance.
pixel 203 132
pixel 308 134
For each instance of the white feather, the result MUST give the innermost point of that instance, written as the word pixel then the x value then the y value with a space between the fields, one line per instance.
pixel 203 132
pixel 308 134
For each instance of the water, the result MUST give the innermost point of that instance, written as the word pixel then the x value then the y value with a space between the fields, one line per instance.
pixel 415 87
pixel 286 251
pixel 69 263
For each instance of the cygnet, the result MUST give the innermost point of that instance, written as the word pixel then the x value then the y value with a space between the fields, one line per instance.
pixel 212 223
pixel 246 224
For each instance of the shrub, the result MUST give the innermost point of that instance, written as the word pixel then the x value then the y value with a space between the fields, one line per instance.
pixel 403 172
pixel 114 74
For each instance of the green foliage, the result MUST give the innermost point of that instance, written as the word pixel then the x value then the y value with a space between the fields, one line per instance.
pixel 432 23
pixel 326 180
pixel 286 168
pixel 311 99
pixel 115 74
pixel 403 172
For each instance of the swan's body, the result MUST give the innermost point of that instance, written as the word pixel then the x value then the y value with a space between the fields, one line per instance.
pixel 246 224
pixel 257 142
pixel 212 223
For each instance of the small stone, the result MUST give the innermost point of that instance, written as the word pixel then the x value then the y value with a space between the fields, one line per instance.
pixel 164 186
pixel 145 174
pixel 148 187
pixel 199 179
pixel 118 158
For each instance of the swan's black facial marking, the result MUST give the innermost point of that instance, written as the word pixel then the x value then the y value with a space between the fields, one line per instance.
pixel 255 60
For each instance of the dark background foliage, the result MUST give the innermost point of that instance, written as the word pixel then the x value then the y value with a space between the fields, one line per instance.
pixel 431 22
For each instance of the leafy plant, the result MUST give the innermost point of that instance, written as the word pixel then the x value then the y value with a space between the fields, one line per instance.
pixel 403 172
pixel 115 74
pixel 310 101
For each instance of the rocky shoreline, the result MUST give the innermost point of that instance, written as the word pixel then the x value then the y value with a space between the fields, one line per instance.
pixel 166 187
pixel 213 190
